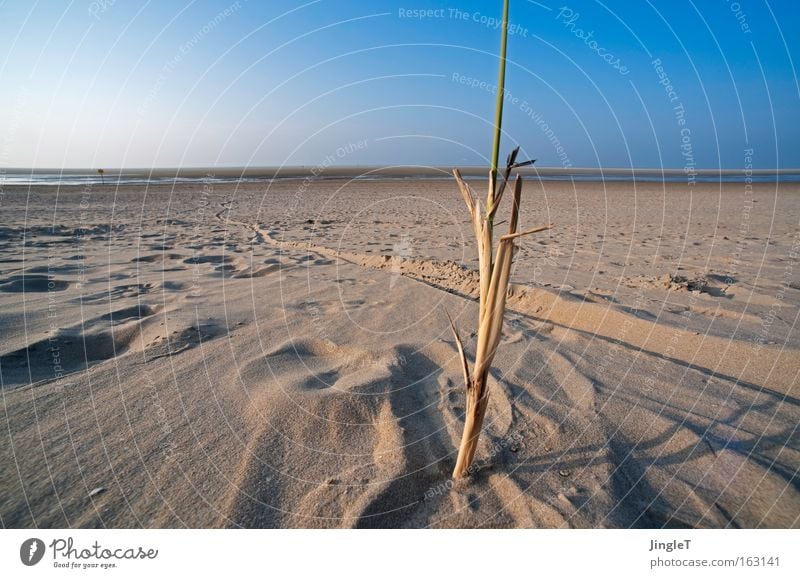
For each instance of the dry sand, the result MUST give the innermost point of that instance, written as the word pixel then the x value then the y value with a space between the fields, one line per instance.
pixel 279 356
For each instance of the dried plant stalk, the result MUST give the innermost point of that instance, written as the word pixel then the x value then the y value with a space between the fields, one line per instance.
pixel 494 276
pixel 494 279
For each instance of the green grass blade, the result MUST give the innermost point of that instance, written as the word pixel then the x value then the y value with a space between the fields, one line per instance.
pixel 501 81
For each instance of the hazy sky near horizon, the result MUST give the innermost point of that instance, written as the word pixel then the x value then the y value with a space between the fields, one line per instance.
pixel 675 84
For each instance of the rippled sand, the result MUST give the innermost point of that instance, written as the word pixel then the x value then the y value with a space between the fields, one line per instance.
pixel 279 356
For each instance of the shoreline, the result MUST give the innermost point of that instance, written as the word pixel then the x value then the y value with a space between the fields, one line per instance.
pixel 176 176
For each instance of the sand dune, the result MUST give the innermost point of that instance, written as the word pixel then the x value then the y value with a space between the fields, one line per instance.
pixel 251 356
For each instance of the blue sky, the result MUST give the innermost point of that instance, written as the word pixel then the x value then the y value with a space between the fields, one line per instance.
pixel 130 84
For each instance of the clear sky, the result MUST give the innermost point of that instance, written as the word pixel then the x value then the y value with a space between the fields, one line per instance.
pixel 619 83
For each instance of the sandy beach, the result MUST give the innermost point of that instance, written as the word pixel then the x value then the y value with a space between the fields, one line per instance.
pixel 278 355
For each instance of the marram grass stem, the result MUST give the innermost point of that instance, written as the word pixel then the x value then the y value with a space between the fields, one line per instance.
pixel 494 275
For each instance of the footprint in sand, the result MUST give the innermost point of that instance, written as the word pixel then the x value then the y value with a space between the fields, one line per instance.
pixel 75 348
pixel 118 292
pixel 32 284
pixel 158 258
pixel 181 340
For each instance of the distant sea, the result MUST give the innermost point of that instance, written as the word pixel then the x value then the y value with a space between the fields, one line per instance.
pixel 84 177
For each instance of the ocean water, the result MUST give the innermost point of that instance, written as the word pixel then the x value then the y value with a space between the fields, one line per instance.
pixel 83 178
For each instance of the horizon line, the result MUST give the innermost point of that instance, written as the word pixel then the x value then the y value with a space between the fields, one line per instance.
pixel 383 167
